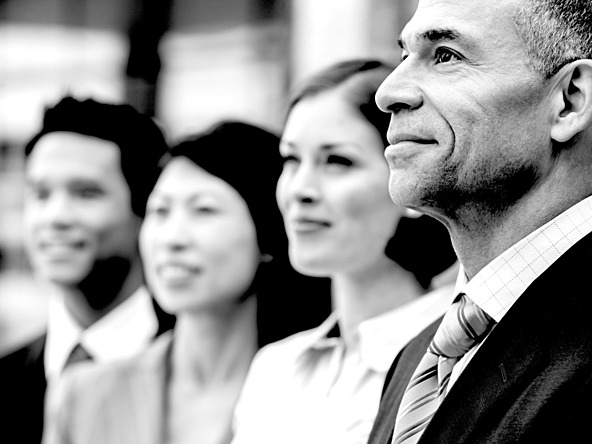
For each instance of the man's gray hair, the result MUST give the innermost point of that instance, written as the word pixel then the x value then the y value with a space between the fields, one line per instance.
pixel 555 32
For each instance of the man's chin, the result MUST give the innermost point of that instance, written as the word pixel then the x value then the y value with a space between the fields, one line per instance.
pixel 62 280
pixel 402 194
pixel 69 275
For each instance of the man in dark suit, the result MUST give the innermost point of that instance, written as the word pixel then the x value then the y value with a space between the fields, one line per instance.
pixel 491 133
pixel 88 175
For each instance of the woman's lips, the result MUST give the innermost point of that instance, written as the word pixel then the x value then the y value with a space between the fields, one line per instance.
pixel 177 272
pixel 305 225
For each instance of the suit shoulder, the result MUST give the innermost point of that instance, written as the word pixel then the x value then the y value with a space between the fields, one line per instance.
pixel 26 355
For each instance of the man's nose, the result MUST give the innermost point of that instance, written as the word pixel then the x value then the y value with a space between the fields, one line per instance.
pixel 400 90
pixel 60 210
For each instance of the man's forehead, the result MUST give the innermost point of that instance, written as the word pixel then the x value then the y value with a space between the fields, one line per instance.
pixel 436 20
pixel 65 145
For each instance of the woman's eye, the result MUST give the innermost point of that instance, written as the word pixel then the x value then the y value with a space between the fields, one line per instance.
pixel 339 161
pixel 156 211
pixel 444 55
pixel 204 209
pixel 289 159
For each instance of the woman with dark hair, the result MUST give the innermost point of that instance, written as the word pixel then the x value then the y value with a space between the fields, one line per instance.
pixel 324 385
pixel 214 252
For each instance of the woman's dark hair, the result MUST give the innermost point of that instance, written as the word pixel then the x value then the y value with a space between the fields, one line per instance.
pixel 247 158
pixel 422 245
pixel 140 141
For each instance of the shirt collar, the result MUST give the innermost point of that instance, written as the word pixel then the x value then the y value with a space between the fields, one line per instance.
pixel 321 336
pixel 380 338
pixel 123 332
pixel 500 283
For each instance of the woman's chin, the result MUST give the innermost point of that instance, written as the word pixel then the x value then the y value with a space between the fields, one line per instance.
pixel 311 266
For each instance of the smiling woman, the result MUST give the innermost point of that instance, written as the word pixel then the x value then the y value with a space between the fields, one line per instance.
pixel 197 232
pixel 342 224
pixel 214 253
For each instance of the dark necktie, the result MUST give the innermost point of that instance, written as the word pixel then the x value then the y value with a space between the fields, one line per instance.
pixel 77 354
pixel 463 326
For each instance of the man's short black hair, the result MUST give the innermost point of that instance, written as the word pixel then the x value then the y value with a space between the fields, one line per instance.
pixel 140 140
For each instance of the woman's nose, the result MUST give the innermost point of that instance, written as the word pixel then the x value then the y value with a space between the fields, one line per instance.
pixel 174 234
pixel 304 186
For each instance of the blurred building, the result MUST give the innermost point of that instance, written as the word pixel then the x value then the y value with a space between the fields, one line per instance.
pixel 187 62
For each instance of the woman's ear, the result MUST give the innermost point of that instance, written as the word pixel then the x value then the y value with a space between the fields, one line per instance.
pixel 265 258
pixel 572 101
pixel 412 214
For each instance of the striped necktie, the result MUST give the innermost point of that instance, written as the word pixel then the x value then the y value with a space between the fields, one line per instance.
pixel 463 326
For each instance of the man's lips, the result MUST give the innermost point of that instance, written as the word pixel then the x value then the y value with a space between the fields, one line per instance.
pixel 404 146
pixel 398 138
pixel 60 246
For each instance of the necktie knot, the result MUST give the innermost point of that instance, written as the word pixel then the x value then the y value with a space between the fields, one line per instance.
pixel 78 354
pixel 464 324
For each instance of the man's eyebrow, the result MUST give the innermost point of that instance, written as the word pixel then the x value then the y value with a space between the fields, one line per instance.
pixel 436 35
pixel 433 35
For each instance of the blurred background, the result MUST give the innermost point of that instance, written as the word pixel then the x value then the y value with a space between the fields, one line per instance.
pixel 185 62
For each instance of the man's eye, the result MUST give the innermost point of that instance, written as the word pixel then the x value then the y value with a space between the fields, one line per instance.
pixel 39 193
pixel 444 55
pixel 88 193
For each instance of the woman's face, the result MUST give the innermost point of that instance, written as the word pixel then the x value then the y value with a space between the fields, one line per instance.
pixel 198 240
pixel 333 191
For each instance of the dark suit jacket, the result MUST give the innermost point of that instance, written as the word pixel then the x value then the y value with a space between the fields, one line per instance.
pixel 23 386
pixel 531 379
pixel 22 391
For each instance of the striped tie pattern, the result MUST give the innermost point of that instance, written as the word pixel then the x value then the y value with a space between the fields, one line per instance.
pixel 464 325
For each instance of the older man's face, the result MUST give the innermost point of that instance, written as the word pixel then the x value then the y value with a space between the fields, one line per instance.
pixel 469 119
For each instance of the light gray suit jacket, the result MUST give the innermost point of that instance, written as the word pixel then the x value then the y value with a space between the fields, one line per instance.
pixel 117 403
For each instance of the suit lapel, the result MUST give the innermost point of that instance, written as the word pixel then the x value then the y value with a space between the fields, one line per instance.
pixel 492 376
pixel 396 382
pixel 145 396
pixel 515 351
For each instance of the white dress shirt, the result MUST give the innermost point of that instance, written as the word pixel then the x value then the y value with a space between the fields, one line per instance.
pixel 501 282
pixel 309 388
pixel 121 333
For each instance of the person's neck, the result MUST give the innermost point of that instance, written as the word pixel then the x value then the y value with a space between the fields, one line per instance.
pixel 78 299
pixel 215 345
pixel 479 237
pixel 361 295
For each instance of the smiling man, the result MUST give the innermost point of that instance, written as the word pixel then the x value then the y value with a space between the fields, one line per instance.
pixel 491 133
pixel 88 173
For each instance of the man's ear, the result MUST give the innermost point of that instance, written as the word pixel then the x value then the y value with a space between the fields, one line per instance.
pixel 573 100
